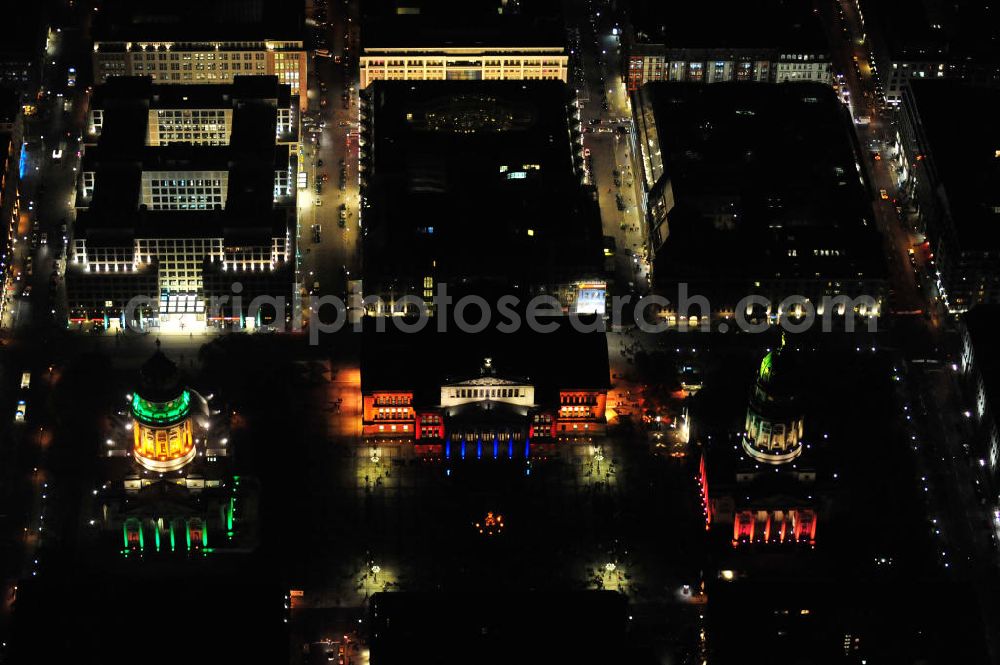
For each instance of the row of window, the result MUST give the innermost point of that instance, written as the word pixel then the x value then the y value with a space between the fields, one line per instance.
pixel 486 393
pixel 175 56
pixel 177 254
pixel 200 138
pixel 441 62
pixel 394 413
pixel 392 399
pixel 175 67
pixel 191 113
pixel 579 399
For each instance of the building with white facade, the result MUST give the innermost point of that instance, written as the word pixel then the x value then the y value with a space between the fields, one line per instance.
pixel 208 42
pixel 782 41
pixel 437 41
pixel 182 221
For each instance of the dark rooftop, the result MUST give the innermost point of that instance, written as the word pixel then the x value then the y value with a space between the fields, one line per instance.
pixel 476 181
pixel 114 214
pixel 765 182
pixel 921 30
pixel 804 619
pixel 965 155
pixel 126 127
pixel 116 230
pixel 140 90
pixel 10 105
pixel 565 358
pixel 427 23
pixel 791 24
pixel 539 627
pixel 194 20
pixel 121 155
pixel 24 32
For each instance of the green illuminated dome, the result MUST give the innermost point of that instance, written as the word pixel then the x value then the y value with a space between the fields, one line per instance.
pixel 775 424
pixel 779 371
pixel 161 413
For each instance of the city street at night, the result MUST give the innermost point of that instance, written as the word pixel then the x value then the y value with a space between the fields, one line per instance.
pixel 490 331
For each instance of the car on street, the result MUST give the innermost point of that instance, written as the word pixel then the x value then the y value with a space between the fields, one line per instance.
pixel 21 412
pixel 25 380
pixel 884 194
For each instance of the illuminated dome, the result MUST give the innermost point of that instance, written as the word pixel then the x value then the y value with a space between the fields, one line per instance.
pixel 161 417
pixel 774 422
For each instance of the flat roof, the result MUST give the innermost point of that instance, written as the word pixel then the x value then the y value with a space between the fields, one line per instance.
pixel 24 32
pixel 103 230
pixel 121 155
pixel 199 20
pixel 791 24
pixel 10 105
pixel 765 181
pixel 962 31
pixel 457 23
pixel 141 90
pixel 965 155
pixel 251 172
pixel 476 181
pixel 586 627
pixel 563 359
pixel 126 125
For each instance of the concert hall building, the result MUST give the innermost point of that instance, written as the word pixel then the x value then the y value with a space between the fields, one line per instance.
pixel 488 393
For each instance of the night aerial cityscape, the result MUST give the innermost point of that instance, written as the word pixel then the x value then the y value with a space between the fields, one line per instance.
pixel 469 332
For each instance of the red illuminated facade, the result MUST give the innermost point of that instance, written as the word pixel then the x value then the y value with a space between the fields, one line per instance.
pixel 503 391
pixel 774 527
pixel 392 414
